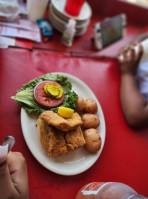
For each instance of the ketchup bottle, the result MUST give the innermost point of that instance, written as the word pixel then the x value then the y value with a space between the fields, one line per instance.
pixel 108 190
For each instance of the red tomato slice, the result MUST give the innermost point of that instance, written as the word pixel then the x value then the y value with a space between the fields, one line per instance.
pixel 44 99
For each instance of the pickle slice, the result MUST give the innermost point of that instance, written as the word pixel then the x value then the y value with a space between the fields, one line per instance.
pixel 53 90
pixel 60 92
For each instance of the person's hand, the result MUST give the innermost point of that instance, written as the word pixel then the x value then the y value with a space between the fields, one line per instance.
pixel 13 177
pixel 129 59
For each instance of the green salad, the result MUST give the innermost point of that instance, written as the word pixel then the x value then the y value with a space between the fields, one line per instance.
pixel 25 96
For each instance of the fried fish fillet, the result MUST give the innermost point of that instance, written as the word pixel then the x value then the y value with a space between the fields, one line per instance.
pixel 43 133
pixel 61 123
pixel 52 140
pixel 56 142
pixel 74 139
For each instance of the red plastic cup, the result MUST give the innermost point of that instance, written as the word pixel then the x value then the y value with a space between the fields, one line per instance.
pixel 73 7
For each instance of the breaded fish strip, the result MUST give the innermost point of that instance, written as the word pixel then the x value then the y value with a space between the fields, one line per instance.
pixel 61 123
pixel 74 139
pixel 57 144
pixel 52 140
pixel 43 133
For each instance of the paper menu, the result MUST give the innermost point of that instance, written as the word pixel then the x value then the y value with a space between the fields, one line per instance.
pixel 13 32
pixel 21 29
pixel 21 24
pixel 5 42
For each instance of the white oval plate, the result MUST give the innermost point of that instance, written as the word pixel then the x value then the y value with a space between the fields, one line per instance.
pixel 74 162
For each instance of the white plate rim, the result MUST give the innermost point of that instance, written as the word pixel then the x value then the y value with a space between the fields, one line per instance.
pixel 94 156
pixel 64 23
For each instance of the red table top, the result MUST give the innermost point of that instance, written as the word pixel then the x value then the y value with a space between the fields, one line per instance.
pixel 124 157
pixel 84 44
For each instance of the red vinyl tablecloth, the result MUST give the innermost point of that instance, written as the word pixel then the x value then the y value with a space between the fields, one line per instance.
pixel 125 154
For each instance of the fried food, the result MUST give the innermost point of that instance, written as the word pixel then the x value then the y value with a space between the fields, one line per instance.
pixel 75 139
pixel 56 142
pixel 60 135
pixel 61 123
pixel 93 140
pixel 90 121
pixel 90 106
pixel 80 104
pixel 52 140
pixel 43 133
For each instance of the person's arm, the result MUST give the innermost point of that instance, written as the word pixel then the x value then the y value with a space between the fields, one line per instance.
pixel 13 177
pixel 137 39
pixel 134 105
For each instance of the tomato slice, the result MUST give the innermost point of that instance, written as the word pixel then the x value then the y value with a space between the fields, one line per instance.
pixel 45 100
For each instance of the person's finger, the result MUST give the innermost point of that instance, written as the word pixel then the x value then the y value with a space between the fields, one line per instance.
pixel 120 58
pixel 6 185
pixel 139 52
pixel 123 49
pixel 123 55
pixel 127 54
pixel 3 153
pixel 132 54
pixel 18 172
pixel 135 44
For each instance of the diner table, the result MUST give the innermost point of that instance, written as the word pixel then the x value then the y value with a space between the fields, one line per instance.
pixel 124 157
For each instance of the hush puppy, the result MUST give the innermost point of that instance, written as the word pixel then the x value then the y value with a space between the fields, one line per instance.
pixel 93 140
pixel 90 121
pixel 90 106
pixel 80 104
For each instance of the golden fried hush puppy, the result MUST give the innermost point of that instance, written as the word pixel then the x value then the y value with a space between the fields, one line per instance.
pixel 90 121
pixel 93 140
pixel 90 106
pixel 80 104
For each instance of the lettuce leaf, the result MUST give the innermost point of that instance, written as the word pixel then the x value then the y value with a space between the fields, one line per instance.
pixel 25 98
